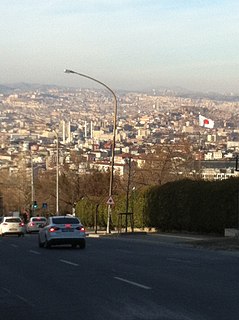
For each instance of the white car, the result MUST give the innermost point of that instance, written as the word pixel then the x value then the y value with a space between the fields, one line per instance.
pixel 12 225
pixel 35 224
pixel 62 230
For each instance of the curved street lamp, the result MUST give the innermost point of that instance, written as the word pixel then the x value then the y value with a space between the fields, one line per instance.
pixel 57 171
pixel 113 142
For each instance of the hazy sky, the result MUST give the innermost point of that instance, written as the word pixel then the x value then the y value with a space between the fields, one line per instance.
pixel 128 44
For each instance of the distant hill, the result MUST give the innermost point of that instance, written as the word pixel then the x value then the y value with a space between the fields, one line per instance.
pixel 175 91
pixel 185 93
pixel 5 89
pixel 22 86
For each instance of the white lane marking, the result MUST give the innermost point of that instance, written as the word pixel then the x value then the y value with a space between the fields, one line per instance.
pixel 179 260
pixel 133 283
pixel 124 251
pixel 25 300
pixel 14 245
pixel 6 290
pixel 69 262
pixel 35 252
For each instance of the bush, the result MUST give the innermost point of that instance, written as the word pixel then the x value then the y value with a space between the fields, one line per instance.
pixel 199 206
pixel 186 205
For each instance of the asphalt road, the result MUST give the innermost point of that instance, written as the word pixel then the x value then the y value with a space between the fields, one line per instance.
pixel 117 278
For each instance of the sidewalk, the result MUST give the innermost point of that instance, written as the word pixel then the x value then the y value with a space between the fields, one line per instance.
pixel 213 242
pixel 155 234
pixel 113 233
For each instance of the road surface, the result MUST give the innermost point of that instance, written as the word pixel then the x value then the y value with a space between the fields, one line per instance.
pixel 125 278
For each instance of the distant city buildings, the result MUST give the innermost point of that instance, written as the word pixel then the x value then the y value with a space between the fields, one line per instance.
pixel 83 119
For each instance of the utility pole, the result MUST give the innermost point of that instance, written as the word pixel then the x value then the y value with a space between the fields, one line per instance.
pixel 32 186
pixel 57 172
pixel 127 192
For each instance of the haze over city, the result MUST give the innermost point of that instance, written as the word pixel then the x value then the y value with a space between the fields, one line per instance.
pixel 128 44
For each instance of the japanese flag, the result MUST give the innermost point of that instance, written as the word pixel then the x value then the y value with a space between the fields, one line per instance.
pixel 206 122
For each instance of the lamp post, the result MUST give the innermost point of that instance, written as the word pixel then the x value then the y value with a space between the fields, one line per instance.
pixel 57 172
pixel 32 211
pixel 128 161
pixel 113 142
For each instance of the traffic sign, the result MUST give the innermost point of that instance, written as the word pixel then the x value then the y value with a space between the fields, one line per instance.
pixel 110 201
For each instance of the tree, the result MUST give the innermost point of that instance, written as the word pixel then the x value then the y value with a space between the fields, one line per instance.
pixel 164 163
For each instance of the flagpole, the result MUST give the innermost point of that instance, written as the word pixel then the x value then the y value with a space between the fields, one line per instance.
pixel 200 147
pixel 205 123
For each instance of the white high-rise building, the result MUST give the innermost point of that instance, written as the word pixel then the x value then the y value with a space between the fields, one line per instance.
pixel 63 131
pixel 91 129
pixel 68 133
pixel 85 129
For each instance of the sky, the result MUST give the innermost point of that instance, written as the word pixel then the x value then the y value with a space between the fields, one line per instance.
pixel 126 44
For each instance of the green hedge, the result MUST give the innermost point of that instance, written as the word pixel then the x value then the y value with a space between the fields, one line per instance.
pixel 86 209
pixel 198 206
pixel 186 205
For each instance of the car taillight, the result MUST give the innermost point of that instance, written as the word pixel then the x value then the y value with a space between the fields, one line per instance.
pixel 82 229
pixel 21 224
pixel 53 229
pixel 32 224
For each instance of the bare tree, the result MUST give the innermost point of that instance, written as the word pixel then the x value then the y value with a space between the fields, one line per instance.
pixel 164 163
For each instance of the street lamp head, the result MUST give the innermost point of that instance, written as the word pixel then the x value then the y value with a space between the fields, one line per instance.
pixel 68 71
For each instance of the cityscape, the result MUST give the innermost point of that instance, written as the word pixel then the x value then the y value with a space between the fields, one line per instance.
pixel 40 123
pixel 119 160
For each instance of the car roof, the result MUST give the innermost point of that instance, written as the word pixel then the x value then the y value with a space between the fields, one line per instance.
pixel 71 219
pixel 64 216
pixel 11 217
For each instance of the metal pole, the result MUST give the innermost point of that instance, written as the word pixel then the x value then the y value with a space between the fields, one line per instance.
pixel 32 186
pixel 127 194
pixel 113 141
pixel 57 173
pixel 238 208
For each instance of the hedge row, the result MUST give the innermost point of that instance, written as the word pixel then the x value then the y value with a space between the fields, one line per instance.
pixel 86 209
pixel 186 205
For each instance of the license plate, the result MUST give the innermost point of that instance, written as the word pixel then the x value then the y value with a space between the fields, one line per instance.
pixel 67 230
pixel 12 229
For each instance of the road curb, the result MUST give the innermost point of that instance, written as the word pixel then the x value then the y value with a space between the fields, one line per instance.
pixel 115 234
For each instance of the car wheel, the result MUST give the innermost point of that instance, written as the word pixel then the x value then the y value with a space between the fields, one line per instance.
pixel 47 244
pixel 82 244
pixel 40 244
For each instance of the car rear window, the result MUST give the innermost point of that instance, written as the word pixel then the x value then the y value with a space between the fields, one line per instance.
pixel 13 220
pixel 39 219
pixel 65 220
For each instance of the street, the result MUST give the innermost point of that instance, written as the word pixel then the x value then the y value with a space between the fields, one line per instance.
pixel 117 278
